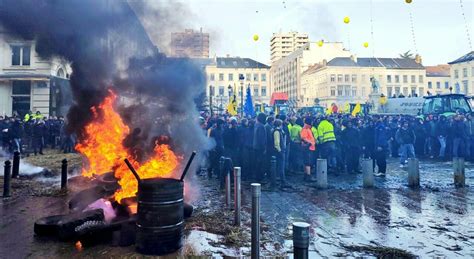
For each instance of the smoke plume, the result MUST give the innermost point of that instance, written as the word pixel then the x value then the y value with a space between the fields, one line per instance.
pixel 108 47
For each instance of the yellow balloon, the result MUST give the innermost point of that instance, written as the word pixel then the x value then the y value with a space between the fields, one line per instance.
pixel 366 44
pixel 408 1
pixel 255 37
pixel 320 43
pixel 347 19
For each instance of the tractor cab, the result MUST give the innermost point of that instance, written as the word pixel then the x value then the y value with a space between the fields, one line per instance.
pixel 446 104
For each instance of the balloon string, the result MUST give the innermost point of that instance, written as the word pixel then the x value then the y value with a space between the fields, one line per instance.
pixel 372 28
pixel 413 31
pixel 465 24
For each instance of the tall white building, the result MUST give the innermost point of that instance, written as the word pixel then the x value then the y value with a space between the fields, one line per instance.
pixel 282 44
pixel 462 74
pixel 438 79
pixel 286 72
pixel 28 82
pixel 228 74
pixel 348 79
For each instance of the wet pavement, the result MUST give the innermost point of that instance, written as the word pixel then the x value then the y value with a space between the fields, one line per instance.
pixel 346 220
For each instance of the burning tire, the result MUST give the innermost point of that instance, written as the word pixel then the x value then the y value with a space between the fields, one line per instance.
pixel 48 226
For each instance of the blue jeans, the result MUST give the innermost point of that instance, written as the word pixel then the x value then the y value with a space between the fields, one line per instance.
pixel 442 143
pixel 458 147
pixel 280 165
pixel 407 151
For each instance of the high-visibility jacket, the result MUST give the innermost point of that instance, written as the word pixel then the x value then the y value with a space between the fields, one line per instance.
pixel 27 117
pixel 307 136
pixel 326 132
pixel 315 133
pixel 295 133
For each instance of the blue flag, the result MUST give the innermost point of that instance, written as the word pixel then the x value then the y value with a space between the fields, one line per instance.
pixel 248 107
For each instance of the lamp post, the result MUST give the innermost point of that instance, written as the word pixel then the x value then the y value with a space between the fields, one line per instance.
pixel 241 79
pixel 211 92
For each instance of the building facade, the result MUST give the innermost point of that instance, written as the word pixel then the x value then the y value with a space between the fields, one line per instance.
pixel 190 43
pixel 282 44
pixel 349 80
pixel 286 72
pixel 438 79
pixel 462 74
pixel 26 79
pixel 226 75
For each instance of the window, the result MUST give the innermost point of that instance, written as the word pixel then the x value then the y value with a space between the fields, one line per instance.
pixel 413 91
pixel 465 86
pixel 231 77
pixel 346 78
pixel 347 90
pixel 333 78
pixel 389 78
pixel 354 78
pixel 397 79
pixel 264 91
pixel 339 90
pixel 263 77
pixel 248 76
pixel 255 77
pixel 221 77
pixel 363 91
pixel 430 85
pixel 389 92
pixel 420 79
pixel 354 91
pixel 464 72
pixel 405 79
pixel 397 91
pixel 212 77
pixel 21 87
pixel 446 85
pixel 21 55
pixel 438 85
pixel 413 79
pixel 339 78
pixel 405 91
pixel 421 92
pixel 255 90
pixel 456 73
pixel 333 91
pixel 221 90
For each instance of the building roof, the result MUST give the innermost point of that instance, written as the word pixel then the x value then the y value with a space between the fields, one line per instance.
pixel 392 63
pixel 239 63
pixel 439 70
pixel 468 57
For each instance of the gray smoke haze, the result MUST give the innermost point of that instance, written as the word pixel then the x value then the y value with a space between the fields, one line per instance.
pixel 108 48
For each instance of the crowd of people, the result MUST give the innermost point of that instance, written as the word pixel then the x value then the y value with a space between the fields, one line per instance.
pixel 297 141
pixel 33 133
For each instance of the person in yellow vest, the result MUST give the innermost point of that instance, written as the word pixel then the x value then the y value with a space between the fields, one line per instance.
pixel 327 141
pixel 295 161
pixel 28 116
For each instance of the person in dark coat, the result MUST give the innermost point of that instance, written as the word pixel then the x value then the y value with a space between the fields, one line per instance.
pixel 216 134
pixel 16 133
pixel 269 147
pixel 38 134
pixel 245 134
pixel 405 136
pixel 259 146
pixel 421 134
pixel 381 140
pixel 351 142
pixel 460 136
pixel 441 134
pixel 231 141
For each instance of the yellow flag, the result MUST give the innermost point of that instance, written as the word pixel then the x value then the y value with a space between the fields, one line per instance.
pixel 232 107
pixel 356 110
pixel 347 108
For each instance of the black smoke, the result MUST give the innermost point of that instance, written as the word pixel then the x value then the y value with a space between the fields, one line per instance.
pixel 107 47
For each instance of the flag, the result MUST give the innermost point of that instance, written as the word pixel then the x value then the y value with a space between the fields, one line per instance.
pixel 347 108
pixel 328 111
pixel 232 106
pixel 248 107
pixel 356 110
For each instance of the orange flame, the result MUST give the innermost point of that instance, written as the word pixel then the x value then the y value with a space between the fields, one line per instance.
pixel 104 151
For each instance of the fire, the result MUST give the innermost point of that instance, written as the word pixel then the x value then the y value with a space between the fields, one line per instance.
pixel 104 151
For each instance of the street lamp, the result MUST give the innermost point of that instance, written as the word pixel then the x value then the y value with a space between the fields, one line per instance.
pixel 211 93
pixel 241 79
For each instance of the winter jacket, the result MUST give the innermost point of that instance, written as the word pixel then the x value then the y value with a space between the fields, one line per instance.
pixel 259 137
pixel 459 130
pixel 405 136
pixel 382 136
pixel 351 137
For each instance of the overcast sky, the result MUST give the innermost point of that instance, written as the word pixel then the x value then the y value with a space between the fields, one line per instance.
pixel 439 27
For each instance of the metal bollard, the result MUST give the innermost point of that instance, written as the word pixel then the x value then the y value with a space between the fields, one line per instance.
pixel 459 172
pixel 6 179
pixel 322 173
pixel 256 191
pixel 237 196
pixel 413 173
pixel 16 165
pixel 300 240
pixel 227 189
pixel 64 174
pixel 368 173
pixel 221 171
pixel 273 173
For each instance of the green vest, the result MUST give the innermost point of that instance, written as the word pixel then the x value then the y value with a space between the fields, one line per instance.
pixel 326 132
pixel 295 133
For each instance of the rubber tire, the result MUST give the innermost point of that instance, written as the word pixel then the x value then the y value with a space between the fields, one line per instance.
pixel 48 226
